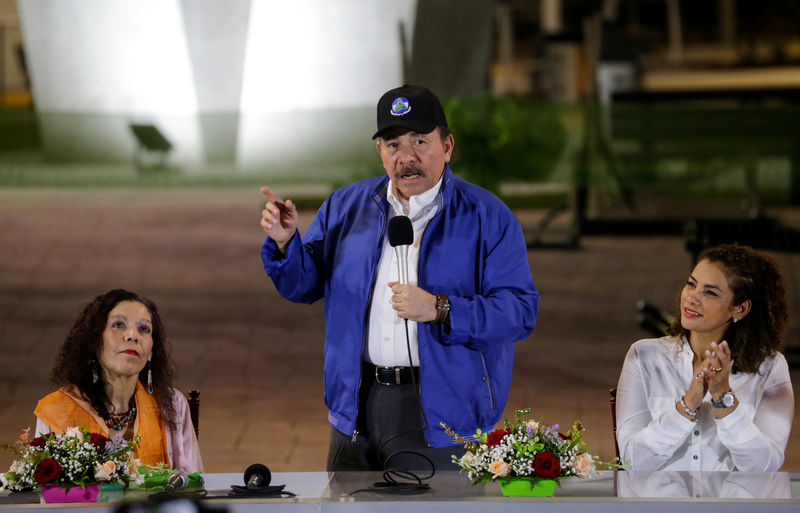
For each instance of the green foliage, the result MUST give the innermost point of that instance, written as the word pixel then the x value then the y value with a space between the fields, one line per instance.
pixel 156 477
pixel 503 139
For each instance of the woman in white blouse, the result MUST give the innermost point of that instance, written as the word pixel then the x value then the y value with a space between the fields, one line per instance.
pixel 715 394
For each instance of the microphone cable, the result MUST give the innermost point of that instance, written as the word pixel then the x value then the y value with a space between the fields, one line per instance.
pixel 414 484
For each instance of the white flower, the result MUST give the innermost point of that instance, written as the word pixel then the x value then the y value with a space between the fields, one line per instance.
pixel 18 467
pixel 467 460
pixel 74 432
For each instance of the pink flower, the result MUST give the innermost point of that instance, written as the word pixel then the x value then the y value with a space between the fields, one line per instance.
pixel 499 468
pixel 103 472
pixel 582 465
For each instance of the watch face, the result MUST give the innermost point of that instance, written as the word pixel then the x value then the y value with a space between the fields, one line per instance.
pixel 728 399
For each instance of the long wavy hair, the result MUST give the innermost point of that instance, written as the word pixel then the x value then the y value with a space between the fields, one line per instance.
pixel 755 276
pixel 78 360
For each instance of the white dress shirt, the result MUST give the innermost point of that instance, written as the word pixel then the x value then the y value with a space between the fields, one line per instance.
pixel 387 332
pixel 652 435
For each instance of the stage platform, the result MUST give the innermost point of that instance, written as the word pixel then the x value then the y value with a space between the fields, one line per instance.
pixel 611 492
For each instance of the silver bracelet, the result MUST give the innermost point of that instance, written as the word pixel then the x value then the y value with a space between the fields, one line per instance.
pixel 689 412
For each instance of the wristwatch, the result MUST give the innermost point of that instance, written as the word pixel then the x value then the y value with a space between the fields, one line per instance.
pixel 725 401
pixel 442 308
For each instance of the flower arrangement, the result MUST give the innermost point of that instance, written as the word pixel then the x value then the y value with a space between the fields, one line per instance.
pixel 74 458
pixel 525 448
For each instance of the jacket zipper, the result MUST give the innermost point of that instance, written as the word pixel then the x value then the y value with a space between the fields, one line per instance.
pixel 487 379
pixel 420 279
pixel 366 324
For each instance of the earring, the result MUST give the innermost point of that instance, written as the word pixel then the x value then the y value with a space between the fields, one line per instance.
pixel 149 378
pixel 735 319
pixel 95 378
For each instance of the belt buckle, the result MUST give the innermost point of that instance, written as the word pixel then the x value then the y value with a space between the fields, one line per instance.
pixel 397 379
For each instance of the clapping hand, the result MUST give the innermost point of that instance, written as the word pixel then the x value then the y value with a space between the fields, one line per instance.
pixel 697 388
pixel 717 368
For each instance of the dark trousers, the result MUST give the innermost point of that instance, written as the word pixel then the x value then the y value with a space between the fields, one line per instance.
pixel 389 424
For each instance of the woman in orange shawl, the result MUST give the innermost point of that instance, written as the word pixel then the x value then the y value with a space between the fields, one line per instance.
pixel 115 378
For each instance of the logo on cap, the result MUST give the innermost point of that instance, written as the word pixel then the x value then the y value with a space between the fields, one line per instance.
pixel 400 106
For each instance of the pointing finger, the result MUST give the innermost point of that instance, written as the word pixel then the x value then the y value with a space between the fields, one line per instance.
pixel 270 194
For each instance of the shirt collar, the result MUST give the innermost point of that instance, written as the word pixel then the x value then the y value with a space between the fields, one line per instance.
pixel 416 205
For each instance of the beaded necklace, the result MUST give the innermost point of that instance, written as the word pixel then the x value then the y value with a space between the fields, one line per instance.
pixel 121 421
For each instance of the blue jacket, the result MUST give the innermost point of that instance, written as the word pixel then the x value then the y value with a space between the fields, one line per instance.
pixel 473 250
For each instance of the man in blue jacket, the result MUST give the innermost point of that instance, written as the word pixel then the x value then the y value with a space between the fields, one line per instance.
pixel 403 359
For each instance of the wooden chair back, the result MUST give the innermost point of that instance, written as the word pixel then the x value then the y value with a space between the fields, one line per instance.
pixel 194 410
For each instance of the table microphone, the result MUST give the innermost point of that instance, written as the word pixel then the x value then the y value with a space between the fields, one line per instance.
pixel 257 476
pixel 256 479
pixel 177 480
pixel 401 236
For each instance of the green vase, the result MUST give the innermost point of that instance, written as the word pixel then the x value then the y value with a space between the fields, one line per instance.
pixel 527 487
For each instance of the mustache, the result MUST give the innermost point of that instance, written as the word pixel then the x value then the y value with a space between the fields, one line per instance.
pixel 409 171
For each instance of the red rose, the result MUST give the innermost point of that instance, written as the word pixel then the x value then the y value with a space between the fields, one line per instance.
pixel 565 437
pixel 496 436
pixel 98 440
pixel 38 442
pixel 47 471
pixel 546 465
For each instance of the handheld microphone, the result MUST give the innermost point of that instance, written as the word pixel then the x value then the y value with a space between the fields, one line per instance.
pixel 257 476
pixel 401 236
pixel 177 480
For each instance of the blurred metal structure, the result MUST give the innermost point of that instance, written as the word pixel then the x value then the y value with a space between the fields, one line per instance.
pixel 149 140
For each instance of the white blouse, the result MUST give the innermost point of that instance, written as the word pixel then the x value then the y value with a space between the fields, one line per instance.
pixel 652 435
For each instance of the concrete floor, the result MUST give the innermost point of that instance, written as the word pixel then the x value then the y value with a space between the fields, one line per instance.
pixel 256 358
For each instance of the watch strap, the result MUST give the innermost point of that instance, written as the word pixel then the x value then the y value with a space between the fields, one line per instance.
pixel 442 309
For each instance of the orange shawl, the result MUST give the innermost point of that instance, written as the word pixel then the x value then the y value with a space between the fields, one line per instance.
pixel 64 408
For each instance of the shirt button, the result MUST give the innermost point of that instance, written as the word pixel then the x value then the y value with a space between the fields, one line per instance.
pixel 696 433
pixel 694 457
pixel 484 378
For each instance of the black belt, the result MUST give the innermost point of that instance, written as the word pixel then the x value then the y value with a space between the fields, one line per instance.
pixel 392 375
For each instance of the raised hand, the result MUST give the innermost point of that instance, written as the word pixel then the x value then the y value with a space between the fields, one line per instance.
pixel 279 218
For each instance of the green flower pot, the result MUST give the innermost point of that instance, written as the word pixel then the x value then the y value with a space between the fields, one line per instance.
pixel 527 487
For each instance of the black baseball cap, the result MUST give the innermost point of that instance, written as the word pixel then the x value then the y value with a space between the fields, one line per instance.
pixel 410 106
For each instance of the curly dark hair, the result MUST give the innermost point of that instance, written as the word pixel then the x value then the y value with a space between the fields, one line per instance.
pixel 78 360
pixel 755 276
